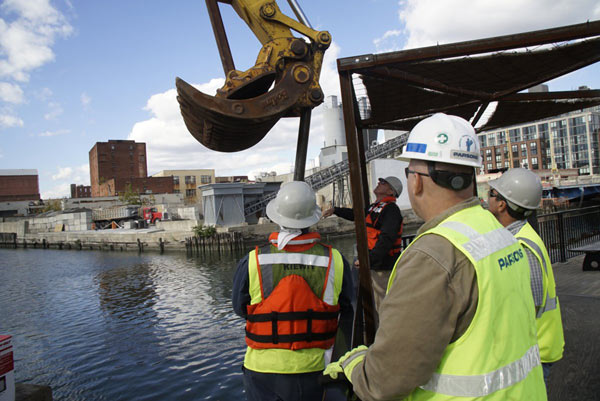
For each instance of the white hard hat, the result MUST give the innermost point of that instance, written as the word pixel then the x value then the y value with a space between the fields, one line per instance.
pixel 294 206
pixel 519 186
pixel 394 183
pixel 443 138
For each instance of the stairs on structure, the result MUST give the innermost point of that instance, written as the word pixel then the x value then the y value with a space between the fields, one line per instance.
pixel 328 175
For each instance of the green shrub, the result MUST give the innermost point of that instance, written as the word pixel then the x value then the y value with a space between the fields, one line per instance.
pixel 201 231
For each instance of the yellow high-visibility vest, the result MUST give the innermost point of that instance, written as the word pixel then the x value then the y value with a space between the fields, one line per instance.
pixel 549 323
pixel 497 358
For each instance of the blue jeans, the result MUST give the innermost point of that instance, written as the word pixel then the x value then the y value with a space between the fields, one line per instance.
pixel 282 387
pixel 546 367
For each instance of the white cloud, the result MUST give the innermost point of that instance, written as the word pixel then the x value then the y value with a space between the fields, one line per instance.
pixel 61 190
pixel 25 41
pixel 85 100
pixel 390 41
pixel 63 172
pixel 169 144
pixel 54 133
pixel 11 93
pixel 64 177
pixel 43 94
pixel 427 22
pixel 55 111
pixel 9 120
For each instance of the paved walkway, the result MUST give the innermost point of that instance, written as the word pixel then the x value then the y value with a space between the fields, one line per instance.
pixel 575 377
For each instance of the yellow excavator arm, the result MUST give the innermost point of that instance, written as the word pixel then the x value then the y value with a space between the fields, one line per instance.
pixel 284 82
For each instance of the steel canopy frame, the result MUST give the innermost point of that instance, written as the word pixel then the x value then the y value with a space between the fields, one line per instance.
pixel 377 64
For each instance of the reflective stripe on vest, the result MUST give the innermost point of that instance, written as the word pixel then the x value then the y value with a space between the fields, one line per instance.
pixel 266 261
pixel 550 303
pixel 481 246
pixel 549 322
pixel 482 385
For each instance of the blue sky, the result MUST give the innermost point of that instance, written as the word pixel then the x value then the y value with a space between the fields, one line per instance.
pixel 73 73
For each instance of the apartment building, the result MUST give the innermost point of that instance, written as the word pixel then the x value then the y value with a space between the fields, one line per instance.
pixel 567 141
pixel 186 182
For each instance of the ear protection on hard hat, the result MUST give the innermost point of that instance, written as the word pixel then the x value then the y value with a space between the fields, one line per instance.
pixel 449 179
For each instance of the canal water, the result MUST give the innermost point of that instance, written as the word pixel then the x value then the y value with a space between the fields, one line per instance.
pixel 121 326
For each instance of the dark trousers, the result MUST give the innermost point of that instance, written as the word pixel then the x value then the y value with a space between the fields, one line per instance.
pixel 282 387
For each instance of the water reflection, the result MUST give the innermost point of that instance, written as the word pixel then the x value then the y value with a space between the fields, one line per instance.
pixel 121 326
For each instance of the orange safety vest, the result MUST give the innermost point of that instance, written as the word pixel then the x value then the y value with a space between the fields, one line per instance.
pixel 290 314
pixel 373 233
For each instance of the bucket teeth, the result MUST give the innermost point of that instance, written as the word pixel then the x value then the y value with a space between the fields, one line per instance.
pixel 232 125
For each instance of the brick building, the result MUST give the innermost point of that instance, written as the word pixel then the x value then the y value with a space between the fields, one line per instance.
pixel 140 185
pixel 119 159
pixel 81 191
pixel 116 164
pixel 19 185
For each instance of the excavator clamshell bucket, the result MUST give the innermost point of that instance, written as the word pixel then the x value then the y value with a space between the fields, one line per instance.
pixel 232 125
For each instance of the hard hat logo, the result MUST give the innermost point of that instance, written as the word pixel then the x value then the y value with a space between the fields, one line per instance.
pixel 465 143
pixel 416 147
pixel 442 138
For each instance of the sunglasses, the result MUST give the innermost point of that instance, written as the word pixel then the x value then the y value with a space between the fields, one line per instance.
pixel 496 195
pixel 408 171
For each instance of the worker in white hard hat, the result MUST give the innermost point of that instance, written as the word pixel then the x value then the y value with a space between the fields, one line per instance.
pixel 458 320
pixel 512 199
pixel 293 292
pixel 384 232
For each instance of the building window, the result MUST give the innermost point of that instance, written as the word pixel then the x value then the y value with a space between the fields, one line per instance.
pixel 498 159
pixel 205 179
pixel 175 180
pixel 176 191
pixel 190 179
pixel 506 163
pixel 524 149
pixel 489 166
pixel 516 163
pixel 190 193
pixel 533 148
pixel 515 135
pixel 482 140
pixel 515 151
pixel 529 133
pixel 534 163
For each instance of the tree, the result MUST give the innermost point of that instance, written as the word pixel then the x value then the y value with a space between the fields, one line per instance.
pixel 130 197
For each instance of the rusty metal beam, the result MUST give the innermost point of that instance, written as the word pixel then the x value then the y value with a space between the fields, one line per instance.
pixel 374 123
pixel 302 146
pixel 358 184
pixel 220 36
pixel 386 72
pixel 541 96
pixel 495 44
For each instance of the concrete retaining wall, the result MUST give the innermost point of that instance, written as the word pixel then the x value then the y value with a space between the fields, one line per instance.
pixel 19 227
pixel 78 221
pixel 177 225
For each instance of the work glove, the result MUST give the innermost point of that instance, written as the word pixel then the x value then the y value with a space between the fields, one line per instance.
pixel 346 364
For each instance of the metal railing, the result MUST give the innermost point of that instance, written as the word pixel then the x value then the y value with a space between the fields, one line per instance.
pixel 330 174
pixel 568 229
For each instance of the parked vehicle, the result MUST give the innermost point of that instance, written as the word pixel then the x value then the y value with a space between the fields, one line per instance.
pixel 151 214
